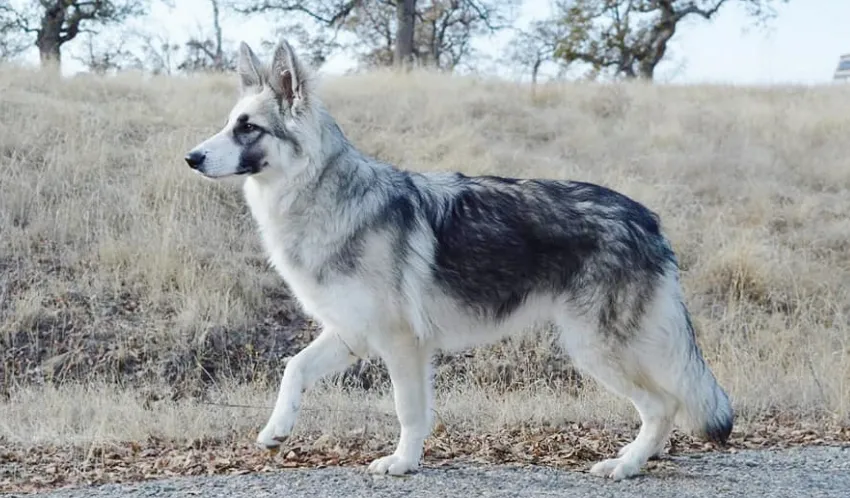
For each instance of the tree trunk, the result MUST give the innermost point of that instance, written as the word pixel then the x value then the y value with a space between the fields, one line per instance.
pixel 406 16
pixel 49 51
pixel 218 59
pixel 655 50
pixel 535 70
pixel 628 71
pixel 646 70
pixel 49 39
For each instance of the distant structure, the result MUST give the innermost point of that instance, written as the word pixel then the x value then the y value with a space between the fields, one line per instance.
pixel 842 72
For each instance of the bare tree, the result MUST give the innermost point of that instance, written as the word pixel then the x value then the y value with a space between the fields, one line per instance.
pixel 630 37
pixel 373 25
pixel 401 32
pixel 448 26
pixel 108 55
pixel 442 34
pixel 209 53
pixel 159 52
pixel 53 23
pixel 535 46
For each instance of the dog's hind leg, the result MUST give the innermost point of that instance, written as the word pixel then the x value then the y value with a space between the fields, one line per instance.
pixel 657 412
pixel 624 369
pixel 409 366
pixel 327 354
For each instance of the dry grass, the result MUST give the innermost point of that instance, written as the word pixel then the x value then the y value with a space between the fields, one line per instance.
pixel 101 414
pixel 118 268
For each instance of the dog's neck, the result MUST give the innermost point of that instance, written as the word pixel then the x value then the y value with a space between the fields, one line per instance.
pixel 306 210
pixel 321 161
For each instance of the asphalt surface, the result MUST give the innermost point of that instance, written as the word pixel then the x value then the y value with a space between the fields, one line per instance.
pixel 798 472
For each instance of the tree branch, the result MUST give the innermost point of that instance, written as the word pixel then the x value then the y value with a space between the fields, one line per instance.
pixel 483 15
pixel 73 29
pixel 199 45
pixel 16 20
pixel 704 13
pixel 297 6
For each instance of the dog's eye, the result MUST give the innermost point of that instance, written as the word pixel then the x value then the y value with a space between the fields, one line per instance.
pixel 248 127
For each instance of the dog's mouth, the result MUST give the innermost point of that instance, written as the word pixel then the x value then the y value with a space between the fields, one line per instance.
pixel 251 170
pixel 240 171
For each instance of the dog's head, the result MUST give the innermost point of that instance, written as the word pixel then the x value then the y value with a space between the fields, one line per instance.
pixel 265 131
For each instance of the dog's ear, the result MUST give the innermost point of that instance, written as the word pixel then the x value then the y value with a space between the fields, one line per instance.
pixel 248 67
pixel 289 78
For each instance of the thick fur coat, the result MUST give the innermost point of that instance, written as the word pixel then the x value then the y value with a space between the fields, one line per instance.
pixel 399 264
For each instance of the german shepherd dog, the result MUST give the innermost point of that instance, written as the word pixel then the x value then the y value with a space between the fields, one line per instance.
pixel 399 264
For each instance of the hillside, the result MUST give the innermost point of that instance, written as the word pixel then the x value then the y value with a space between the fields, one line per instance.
pixel 125 279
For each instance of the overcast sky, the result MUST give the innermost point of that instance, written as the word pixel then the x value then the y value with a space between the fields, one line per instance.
pixel 802 45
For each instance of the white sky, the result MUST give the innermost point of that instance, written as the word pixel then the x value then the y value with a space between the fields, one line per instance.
pixel 801 45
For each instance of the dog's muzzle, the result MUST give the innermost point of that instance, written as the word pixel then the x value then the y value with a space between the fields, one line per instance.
pixel 195 159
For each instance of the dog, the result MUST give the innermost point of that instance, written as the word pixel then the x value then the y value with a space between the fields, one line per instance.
pixel 400 264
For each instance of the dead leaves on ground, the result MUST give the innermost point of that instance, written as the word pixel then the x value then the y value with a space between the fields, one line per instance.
pixel 573 447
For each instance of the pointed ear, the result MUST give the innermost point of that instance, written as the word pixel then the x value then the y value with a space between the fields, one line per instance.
pixel 289 78
pixel 248 67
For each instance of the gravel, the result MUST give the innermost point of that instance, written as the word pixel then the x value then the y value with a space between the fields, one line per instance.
pixel 803 471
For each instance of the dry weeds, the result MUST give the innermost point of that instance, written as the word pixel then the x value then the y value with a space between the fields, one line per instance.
pixel 72 435
pixel 117 267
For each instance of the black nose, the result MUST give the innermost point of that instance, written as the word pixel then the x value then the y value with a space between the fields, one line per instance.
pixel 195 158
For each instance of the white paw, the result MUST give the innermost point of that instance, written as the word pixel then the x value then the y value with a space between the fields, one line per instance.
pixel 273 434
pixel 615 468
pixel 392 464
pixel 627 448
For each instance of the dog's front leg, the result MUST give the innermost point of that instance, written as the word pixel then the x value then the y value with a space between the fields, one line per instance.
pixel 327 354
pixel 409 366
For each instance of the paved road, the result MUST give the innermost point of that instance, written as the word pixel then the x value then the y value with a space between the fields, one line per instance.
pixel 799 472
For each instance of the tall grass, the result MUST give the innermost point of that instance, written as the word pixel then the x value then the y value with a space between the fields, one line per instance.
pixel 118 266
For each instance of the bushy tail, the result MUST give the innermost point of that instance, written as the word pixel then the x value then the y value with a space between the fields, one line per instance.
pixel 705 409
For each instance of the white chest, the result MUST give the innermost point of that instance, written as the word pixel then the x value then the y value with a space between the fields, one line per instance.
pixel 297 256
pixel 268 211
